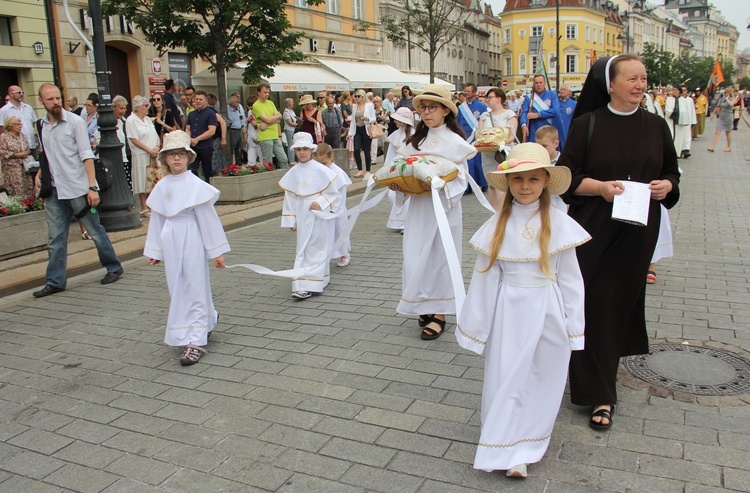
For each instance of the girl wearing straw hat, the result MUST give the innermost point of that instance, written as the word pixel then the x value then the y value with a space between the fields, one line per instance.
pixel 184 231
pixel 427 289
pixel 524 308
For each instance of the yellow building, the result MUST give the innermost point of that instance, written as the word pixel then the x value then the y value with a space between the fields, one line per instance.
pixel 587 28
pixel 336 30
pixel 25 56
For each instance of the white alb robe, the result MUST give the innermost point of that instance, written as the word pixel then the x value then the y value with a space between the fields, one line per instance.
pixel 336 226
pixel 185 231
pixel 528 324
pixel 304 184
pixel 426 282
pixel 397 217
pixel 692 118
pixel 682 126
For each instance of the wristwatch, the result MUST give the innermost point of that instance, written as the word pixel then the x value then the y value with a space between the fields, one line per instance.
pixel 95 189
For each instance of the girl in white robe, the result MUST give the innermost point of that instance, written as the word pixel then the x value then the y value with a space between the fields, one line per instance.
pixel 336 227
pixel 525 307
pixel 427 290
pixel 404 120
pixel 308 186
pixel 184 232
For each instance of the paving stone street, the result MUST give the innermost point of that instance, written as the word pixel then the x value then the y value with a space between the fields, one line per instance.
pixel 337 393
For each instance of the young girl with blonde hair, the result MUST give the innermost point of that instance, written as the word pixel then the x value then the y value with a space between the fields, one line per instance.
pixel 525 306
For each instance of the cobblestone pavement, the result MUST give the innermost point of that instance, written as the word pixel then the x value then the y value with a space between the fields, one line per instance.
pixel 337 393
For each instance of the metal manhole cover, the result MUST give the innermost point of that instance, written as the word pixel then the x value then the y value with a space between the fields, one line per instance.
pixel 692 369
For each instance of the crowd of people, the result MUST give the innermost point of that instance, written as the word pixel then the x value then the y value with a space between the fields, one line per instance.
pixel 559 283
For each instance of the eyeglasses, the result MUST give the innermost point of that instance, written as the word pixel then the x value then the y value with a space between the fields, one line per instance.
pixel 423 108
pixel 156 99
pixel 145 105
pixel 17 92
pixel 357 95
pixel 177 154
pixel 321 97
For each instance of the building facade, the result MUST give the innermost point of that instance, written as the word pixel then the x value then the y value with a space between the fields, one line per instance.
pixel 588 30
pixel 25 51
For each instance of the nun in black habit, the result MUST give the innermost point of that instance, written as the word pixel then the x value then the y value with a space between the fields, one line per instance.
pixel 613 141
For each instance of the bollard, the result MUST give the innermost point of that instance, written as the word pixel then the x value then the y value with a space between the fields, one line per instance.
pixel 341 158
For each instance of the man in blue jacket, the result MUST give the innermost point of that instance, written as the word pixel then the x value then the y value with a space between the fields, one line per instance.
pixel 541 108
pixel 468 119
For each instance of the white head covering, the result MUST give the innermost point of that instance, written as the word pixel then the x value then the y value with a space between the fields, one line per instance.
pixel 303 140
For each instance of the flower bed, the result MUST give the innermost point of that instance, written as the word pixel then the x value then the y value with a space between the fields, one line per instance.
pixel 23 227
pixel 239 184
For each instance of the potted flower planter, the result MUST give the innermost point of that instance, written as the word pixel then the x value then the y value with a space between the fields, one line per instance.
pixel 22 233
pixel 240 189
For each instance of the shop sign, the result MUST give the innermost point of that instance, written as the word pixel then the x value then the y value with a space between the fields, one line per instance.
pixel 157 81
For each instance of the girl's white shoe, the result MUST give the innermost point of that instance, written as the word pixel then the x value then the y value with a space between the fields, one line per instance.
pixel 344 261
pixel 518 471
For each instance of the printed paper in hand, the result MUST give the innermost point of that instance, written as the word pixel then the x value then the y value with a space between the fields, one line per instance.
pixel 632 205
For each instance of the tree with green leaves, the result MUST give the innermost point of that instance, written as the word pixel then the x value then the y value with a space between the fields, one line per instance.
pixel 659 64
pixel 224 32
pixel 428 25
pixel 744 83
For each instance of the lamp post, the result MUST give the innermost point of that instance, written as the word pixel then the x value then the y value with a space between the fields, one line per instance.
pixel 116 208
pixel 557 46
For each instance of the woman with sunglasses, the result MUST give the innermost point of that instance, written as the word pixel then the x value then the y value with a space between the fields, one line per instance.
pixel 407 99
pixel 427 289
pixel 363 115
pixel 161 116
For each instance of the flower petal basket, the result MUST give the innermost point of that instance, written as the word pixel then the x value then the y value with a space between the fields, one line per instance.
pixel 240 184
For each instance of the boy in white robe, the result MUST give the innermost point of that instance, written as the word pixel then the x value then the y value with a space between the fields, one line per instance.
pixel 324 155
pixel 525 307
pixel 309 186
pixel 184 232
pixel 404 121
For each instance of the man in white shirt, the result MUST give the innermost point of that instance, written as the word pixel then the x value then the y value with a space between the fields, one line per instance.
pixel 75 192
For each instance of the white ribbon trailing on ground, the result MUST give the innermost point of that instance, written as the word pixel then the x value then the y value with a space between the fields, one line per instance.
pixel 353 214
pixel 446 238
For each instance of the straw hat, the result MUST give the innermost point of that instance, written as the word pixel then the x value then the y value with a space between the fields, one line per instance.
pixel 303 140
pixel 403 115
pixel 526 157
pixel 439 94
pixel 306 99
pixel 177 140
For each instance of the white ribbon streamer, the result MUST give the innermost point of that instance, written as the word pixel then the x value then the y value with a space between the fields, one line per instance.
pixel 354 213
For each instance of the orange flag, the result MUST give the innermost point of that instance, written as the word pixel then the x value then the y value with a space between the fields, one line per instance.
pixel 717 76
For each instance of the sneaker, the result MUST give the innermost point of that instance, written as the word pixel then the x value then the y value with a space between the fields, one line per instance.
pixel 112 276
pixel 344 261
pixel 301 295
pixel 518 471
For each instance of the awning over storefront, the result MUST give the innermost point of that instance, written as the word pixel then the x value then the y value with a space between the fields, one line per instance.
pixel 424 79
pixel 369 75
pixel 287 78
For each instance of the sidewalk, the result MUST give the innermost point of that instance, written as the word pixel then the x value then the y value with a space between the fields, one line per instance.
pixel 337 394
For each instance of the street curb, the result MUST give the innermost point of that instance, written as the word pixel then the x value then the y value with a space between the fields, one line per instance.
pixel 13 281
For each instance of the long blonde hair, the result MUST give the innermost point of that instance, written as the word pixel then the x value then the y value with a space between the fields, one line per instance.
pixel 545 232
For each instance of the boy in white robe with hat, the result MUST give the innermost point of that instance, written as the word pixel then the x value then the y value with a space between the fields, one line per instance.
pixel 309 186
pixel 185 231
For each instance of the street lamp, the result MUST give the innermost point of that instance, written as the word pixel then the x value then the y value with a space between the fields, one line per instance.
pixel 116 208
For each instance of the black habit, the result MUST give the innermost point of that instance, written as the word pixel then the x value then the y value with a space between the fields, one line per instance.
pixel 615 262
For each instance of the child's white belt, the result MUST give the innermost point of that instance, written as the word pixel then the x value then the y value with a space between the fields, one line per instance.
pixel 525 279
